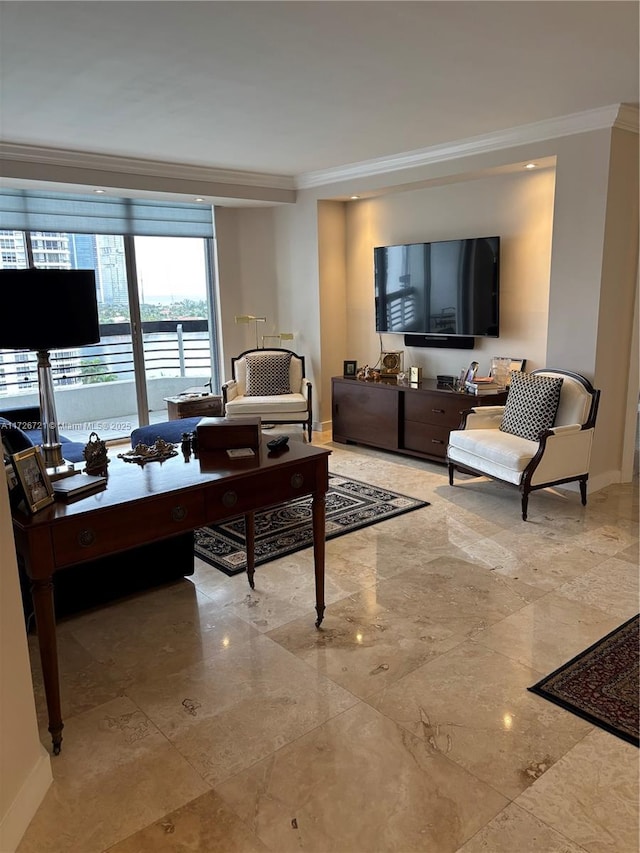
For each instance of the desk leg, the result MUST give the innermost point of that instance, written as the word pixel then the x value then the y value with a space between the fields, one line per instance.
pixel 42 595
pixel 250 540
pixel 319 533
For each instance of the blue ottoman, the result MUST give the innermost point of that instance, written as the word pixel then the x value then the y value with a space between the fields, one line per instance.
pixel 170 431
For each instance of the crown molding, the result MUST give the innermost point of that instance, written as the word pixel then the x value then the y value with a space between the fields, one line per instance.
pixel 112 164
pixel 627 118
pixel 619 115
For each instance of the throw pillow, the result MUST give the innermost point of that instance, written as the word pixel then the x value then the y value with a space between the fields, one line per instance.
pixel 531 405
pixel 268 374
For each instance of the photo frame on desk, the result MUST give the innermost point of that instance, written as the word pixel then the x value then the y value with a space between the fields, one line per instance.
pixel 517 364
pixel 349 369
pixel 32 476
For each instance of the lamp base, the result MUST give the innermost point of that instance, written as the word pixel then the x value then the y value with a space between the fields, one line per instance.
pixel 67 469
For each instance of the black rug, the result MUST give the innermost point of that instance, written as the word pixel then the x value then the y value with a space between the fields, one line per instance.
pixel 601 684
pixel 286 528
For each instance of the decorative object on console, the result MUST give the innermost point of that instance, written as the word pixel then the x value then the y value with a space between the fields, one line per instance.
pixel 470 374
pixel 349 369
pixel 143 453
pixel 64 315
pixel 415 374
pixel 501 370
pixel 96 456
pixel 368 374
pixel 391 362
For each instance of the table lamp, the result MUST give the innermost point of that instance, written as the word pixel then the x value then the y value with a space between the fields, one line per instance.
pixel 44 310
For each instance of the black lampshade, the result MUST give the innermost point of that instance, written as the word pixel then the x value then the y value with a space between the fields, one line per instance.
pixel 48 309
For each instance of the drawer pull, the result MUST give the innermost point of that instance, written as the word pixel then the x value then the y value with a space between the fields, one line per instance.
pixel 86 538
pixel 297 480
pixel 178 513
pixel 438 411
pixel 229 499
pixel 437 441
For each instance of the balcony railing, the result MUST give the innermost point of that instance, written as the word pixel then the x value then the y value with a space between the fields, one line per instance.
pixel 96 382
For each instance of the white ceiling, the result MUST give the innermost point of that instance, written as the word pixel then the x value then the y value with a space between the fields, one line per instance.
pixel 289 88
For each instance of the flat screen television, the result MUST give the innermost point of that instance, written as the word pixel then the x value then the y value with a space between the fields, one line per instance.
pixel 449 287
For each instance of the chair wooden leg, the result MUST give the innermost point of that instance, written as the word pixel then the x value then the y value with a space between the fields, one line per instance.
pixel 451 467
pixel 525 504
pixel 583 490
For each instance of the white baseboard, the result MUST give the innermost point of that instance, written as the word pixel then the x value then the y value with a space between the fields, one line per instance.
pixel 21 811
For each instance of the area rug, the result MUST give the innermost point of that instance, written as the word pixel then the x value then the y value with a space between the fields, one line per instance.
pixel 601 684
pixel 286 528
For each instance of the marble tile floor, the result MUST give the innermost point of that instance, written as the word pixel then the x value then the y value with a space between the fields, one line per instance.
pixel 202 716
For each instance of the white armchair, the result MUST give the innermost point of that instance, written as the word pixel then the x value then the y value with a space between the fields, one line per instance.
pixel 271 384
pixel 513 443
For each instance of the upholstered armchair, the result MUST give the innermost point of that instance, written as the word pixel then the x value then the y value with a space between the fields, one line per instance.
pixel 271 384
pixel 541 437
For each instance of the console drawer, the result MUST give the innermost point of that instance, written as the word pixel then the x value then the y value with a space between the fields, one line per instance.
pixel 426 438
pixel 437 409
pixel 79 538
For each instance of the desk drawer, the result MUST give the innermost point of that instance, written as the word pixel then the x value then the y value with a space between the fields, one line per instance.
pixel 113 530
pixel 271 487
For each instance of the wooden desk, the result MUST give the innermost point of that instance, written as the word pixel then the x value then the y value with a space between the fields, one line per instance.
pixel 146 504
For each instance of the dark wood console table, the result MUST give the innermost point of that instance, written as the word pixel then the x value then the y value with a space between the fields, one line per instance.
pixel 146 504
pixel 414 420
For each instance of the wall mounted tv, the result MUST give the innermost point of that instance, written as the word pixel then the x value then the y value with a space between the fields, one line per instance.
pixel 445 289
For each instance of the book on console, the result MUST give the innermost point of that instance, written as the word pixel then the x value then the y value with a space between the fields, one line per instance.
pixel 78 486
pixel 480 388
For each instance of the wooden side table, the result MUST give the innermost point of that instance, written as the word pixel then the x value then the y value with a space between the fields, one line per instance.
pixel 190 406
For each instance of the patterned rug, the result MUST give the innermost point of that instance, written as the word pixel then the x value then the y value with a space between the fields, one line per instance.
pixel 286 528
pixel 601 684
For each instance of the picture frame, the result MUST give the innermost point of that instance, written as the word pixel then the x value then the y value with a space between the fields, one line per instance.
pixel 349 369
pixel 36 487
pixel 517 363
pixel 471 371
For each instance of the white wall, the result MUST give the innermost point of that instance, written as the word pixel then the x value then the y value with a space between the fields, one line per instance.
pixel 25 769
pixel 516 207
pixel 563 227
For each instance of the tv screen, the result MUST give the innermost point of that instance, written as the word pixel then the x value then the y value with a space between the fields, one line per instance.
pixel 449 287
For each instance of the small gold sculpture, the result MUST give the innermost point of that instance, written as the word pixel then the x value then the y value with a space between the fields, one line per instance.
pixel 96 456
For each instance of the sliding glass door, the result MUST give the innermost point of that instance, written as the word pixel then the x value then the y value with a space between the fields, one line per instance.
pixel 155 299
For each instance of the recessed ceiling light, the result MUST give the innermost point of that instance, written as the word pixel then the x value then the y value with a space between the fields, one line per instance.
pixel 99 192
pixel 198 199
pixel 354 197
pixel 530 166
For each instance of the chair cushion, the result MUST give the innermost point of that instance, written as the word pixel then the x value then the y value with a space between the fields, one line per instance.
pixel 266 407
pixel 268 374
pixel 495 453
pixel 531 405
